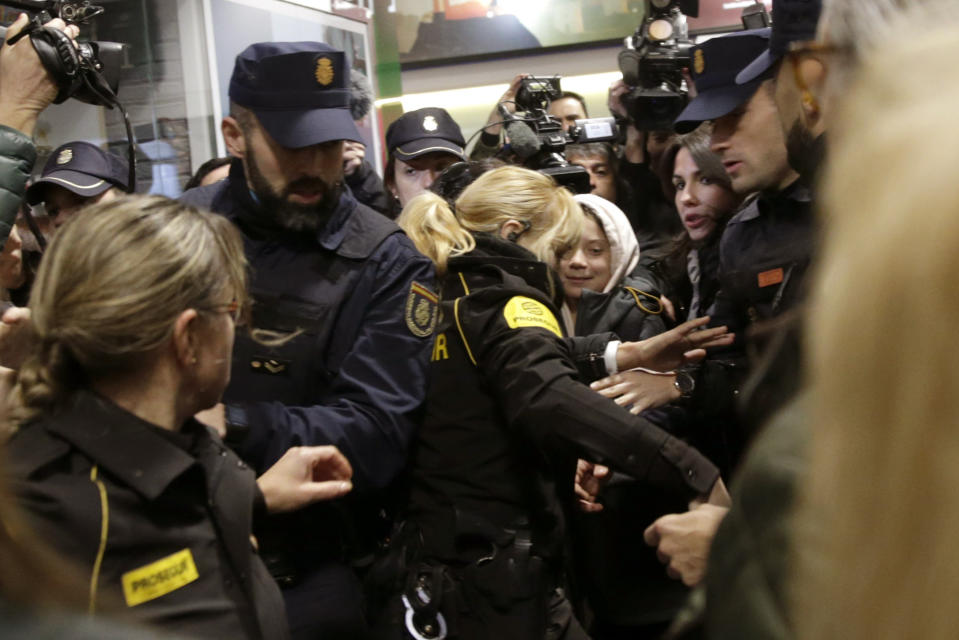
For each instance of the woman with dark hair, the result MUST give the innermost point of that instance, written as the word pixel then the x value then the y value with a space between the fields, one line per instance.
pixel 695 179
pixel 700 187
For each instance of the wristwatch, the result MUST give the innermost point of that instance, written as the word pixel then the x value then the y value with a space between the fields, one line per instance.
pixel 685 384
pixel 237 426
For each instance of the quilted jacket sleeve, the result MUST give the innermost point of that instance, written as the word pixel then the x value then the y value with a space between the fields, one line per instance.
pixel 17 157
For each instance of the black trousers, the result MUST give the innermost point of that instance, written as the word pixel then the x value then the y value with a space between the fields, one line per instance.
pixel 327 604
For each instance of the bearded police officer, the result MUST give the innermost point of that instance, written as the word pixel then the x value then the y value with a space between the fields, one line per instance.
pixel 349 294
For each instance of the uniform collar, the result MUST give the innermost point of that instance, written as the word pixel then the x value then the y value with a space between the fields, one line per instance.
pixel 509 257
pixel 764 203
pixel 122 444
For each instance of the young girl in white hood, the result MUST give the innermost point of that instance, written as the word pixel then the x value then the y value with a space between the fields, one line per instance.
pixel 601 295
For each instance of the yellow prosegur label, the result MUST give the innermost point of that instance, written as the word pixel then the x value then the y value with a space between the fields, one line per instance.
pixel 159 578
pixel 521 311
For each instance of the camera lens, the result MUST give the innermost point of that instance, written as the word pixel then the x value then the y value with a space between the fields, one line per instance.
pixel 660 30
pixel 661 4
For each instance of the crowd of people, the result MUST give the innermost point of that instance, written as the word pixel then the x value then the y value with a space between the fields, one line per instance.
pixel 463 401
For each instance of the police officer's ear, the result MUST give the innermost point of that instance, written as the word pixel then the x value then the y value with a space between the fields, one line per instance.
pixel 812 73
pixel 511 230
pixel 233 137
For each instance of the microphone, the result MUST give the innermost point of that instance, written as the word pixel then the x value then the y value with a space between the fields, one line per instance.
pixel 361 95
pixel 522 140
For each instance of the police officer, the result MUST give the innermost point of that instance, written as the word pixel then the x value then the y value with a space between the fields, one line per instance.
pixel 349 294
pixel 421 145
pixel 766 247
pixel 78 174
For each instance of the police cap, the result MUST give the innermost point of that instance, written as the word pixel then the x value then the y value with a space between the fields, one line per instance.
pixel 299 91
pixel 423 131
pixel 715 65
pixel 82 168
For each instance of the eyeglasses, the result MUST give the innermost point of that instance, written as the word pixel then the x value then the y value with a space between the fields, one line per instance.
pixel 233 308
pixel 813 47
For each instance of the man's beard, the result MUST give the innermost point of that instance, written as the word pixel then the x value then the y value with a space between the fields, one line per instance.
pixel 291 215
pixel 804 152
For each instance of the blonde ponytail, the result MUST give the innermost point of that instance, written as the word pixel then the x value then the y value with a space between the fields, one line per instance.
pixel 432 226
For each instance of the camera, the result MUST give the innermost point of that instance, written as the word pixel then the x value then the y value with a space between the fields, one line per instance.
pixel 86 71
pixel 539 139
pixel 652 62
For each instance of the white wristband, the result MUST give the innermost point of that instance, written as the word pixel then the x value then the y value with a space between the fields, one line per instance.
pixel 609 357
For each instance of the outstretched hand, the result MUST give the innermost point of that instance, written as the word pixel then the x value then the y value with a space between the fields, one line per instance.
pixel 590 479
pixel 638 390
pixel 305 475
pixel 673 349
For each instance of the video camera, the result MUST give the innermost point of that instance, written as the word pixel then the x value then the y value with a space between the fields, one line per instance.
pixel 652 63
pixel 86 71
pixel 539 139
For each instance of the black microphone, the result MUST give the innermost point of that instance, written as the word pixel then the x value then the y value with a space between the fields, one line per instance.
pixel 522 140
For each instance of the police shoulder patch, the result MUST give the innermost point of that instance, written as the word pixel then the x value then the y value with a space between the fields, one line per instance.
pixel 521 311
pixel 421 307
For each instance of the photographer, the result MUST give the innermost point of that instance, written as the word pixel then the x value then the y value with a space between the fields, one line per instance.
pixel 652 215
pixel 568 108
pixel 26 89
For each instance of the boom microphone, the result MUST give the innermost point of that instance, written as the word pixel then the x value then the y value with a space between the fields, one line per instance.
pixel 522 140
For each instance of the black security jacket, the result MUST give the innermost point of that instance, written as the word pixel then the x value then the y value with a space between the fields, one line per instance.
pixel 115 495
pixel 508 413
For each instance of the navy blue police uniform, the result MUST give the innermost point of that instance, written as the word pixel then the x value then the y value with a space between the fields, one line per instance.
pixel 767 246
pixel 356 298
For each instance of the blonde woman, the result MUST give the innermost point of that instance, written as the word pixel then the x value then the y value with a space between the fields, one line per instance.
pixel 133 314
pixel 877 554
pixel 507 417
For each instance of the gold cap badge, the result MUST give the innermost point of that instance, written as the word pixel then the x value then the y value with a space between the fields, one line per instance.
pixel 699 62
pixel 324 71
pixel 429 123
pixel 65 156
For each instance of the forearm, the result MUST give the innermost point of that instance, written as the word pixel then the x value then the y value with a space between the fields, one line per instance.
pixel 538 392
pixel 574 416
pixel 375 442
pixel 15 117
